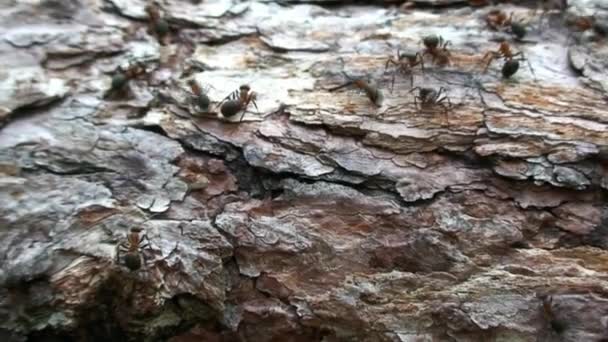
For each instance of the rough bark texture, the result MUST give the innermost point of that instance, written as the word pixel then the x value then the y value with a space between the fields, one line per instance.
pixel 323 217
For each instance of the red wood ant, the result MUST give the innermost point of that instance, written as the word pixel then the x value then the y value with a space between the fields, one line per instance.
pixel 122 76
pixel 238 101
pixel 133 248
pixel 430 98
pixel 498 20
pixel 157 25
pixel 373 93
pixel 511 63
pixel 548 309
pixel 437 48
pixel 201 99
pixel 589 22
pixel 405 63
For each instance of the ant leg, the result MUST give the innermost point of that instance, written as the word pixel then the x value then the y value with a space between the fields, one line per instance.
pixel 235 95
pixel 493 56
pixel 255 105
pixel 419 60
pixel 531 70
pixel 348 77
pixel 341 86
pixel 444 98
pixel 441 90
pixel 245 108
pixel 121 247
pixel 388 61
pixel 144 242
pixel 144 259
pixel 523 57
pixel 446 108
pixel 117 254
pixel 144 238
pixel 446 113
pixel 231 96
pixel 411 90
pixel 440 99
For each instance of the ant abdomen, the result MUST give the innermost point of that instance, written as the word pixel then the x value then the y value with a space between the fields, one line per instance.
pixel 132 261
pixel 161 27
pixel 510 68
pixel 203 102
pixel 119 81
pixel 374 94
pixel 230 108
pixel 518 29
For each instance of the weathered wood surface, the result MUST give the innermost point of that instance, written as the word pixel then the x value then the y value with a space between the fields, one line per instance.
pixel 320 218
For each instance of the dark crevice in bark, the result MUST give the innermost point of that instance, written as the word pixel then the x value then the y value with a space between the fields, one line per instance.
pixel 31 110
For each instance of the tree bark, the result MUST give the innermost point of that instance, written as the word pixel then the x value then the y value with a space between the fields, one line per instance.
pixel 321 216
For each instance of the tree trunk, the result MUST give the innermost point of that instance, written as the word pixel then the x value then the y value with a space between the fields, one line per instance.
pixel 372 212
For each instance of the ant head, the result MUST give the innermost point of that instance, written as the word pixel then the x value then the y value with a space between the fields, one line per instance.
pixel 431 41
pixel 136 229
pixel 245 88
pixel 518 29
pixel 151 8
pixel 135 69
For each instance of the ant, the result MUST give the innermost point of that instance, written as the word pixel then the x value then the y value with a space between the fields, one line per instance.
pixel 589 22
pixel 583 23
pixel 156 24
pixel 238 101
pixel 133 247
pixel 201 99
pixel 405 63
pixel 511 64
pixel 438 49
pixel 549 315
pixel 121 77
pixel 498 20
pixel 371 91
pixel 430 98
